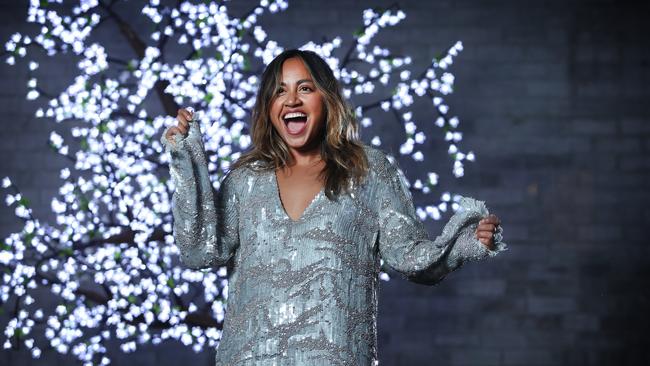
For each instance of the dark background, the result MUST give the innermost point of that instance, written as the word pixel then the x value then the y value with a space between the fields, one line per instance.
pixel 553 99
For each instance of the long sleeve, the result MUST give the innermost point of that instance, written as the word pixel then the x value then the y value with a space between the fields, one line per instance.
pixel 404 243
pixel 205 226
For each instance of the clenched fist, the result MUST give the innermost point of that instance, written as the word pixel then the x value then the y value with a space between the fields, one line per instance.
pixel 486 229
pixel 184 117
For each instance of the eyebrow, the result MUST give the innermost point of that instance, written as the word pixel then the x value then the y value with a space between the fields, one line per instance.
pixel 300 81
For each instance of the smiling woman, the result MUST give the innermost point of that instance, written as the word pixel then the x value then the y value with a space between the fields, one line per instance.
pixel 306 216
pixel 297 109
pixel 297 114
pixel 300 118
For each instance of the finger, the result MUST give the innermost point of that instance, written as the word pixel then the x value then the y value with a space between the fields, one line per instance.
pixel 181 116
pixel 182 121
pixel 486 239
pixel 484 235
pixel 494 219
pixel 187 114
pixel 490 219
pixel 486 227
pixel 488 224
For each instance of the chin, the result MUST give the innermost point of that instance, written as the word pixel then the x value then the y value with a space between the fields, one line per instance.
pixel 296 143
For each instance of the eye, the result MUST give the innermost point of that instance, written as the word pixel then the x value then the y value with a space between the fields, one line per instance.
pixel 279 91
pixel 306 88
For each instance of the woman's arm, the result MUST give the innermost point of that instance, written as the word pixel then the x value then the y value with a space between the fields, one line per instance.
pixel 404 243
pixel 205 222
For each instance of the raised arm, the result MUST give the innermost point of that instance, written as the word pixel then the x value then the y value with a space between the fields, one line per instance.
pixel 205 222
pixel 404 243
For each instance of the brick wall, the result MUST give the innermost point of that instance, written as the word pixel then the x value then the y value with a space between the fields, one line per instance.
pixel 553 99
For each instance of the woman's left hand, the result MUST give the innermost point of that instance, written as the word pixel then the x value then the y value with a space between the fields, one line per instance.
pixel 486 229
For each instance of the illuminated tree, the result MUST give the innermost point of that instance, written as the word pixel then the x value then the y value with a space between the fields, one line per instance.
pixel 108 260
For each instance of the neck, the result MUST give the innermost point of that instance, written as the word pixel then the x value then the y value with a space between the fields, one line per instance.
pixel 306 157
pixel 310 153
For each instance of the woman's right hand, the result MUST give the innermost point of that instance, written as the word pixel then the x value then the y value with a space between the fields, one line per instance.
pixel 184 117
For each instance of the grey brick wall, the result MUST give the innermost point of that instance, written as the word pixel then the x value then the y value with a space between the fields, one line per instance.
pixel 553 99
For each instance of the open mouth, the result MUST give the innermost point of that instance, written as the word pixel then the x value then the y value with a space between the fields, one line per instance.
pixel 295 122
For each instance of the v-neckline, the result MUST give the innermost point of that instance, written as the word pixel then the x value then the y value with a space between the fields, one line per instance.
pixel 279 199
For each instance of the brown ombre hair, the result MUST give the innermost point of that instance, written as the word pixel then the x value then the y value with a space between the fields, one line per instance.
pixel 341 149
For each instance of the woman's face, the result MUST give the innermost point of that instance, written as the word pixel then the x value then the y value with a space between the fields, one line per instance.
pixel 297 111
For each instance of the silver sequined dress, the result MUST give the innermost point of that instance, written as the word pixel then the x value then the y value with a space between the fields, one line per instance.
pixel 305 292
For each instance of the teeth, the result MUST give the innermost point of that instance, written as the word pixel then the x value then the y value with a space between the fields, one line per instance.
pixel 294 115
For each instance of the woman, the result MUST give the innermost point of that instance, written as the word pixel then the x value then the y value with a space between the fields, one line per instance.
pixel 306 215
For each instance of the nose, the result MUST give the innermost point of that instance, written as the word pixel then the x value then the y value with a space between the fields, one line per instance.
pixel 292 99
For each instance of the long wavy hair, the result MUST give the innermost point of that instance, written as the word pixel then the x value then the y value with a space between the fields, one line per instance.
pixel 346 163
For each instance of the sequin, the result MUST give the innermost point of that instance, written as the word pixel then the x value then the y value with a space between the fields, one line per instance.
pixel 305 292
